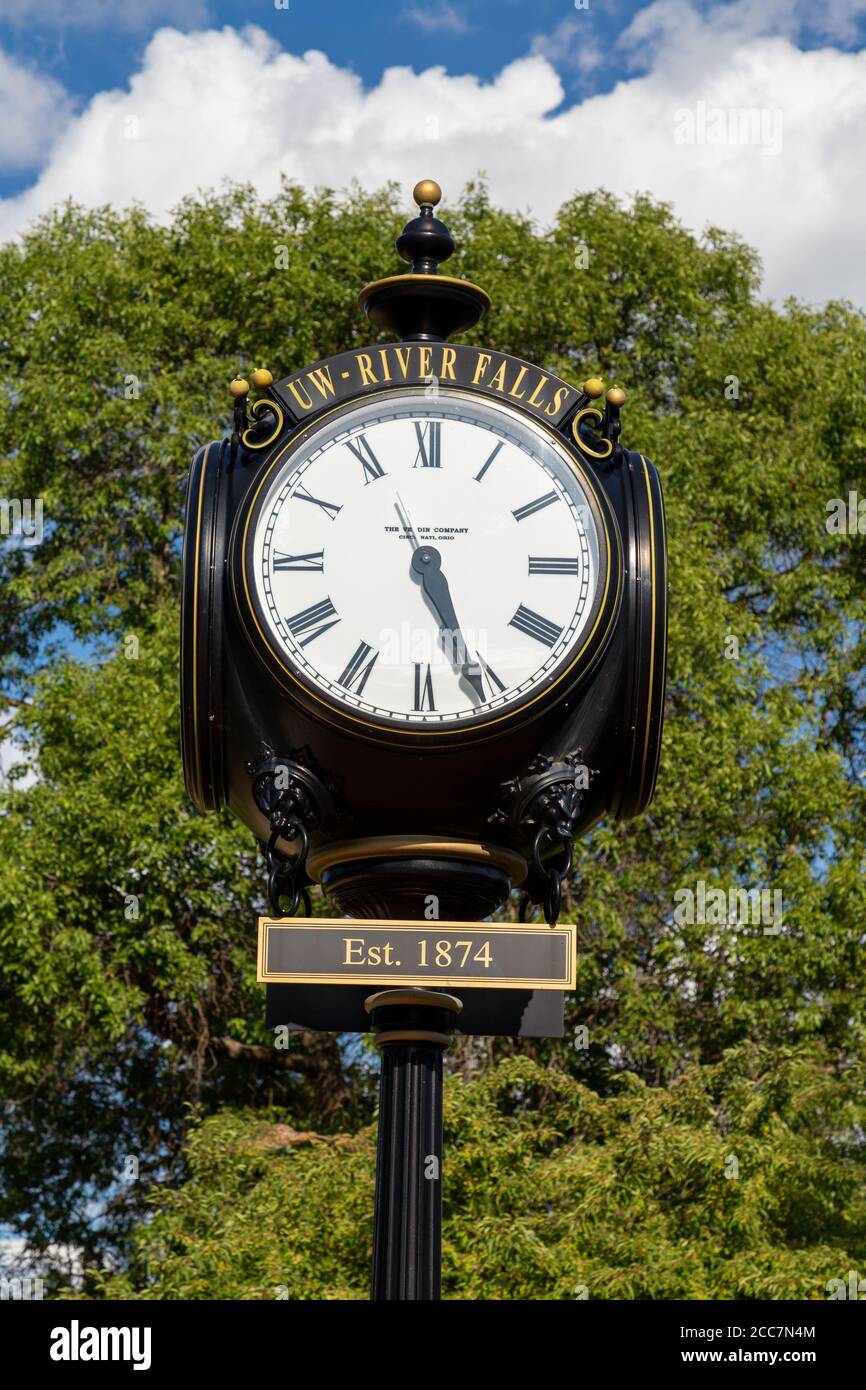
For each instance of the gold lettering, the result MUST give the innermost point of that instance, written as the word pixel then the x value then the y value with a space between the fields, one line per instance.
pixel 300 395
pixel 386 370
pixel 446 371
pixel 353 943
pixel 404 365
pixel 424 361
pixel 518 395
pixel 321 379
pixel 365 366
pixel 482 363
pixel 559 394
pixel 539 385
pixel 498 378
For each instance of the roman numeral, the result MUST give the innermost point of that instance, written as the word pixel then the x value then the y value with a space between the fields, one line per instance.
pixel 480 475
pixel 329 508
pixel 308 620
pixel 429 444
pixel 529 508
pixel 535 626
pixel 423 691
pixel 315 560
pixel 356 671
pixel 553 564
pixel 365 456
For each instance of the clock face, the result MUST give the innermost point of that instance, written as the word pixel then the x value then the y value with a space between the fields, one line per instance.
pixel 427 564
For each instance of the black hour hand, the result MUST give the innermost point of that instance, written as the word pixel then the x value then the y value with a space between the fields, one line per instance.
pixel 427 564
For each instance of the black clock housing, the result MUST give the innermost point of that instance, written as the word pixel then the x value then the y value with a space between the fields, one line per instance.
pixel 389 811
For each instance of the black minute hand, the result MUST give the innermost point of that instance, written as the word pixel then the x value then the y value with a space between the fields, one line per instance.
pixel 427 562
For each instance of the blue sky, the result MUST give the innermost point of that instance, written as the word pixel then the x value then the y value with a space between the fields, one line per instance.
pixel 543 97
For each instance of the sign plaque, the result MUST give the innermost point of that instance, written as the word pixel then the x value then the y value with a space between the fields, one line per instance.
pixel 330 950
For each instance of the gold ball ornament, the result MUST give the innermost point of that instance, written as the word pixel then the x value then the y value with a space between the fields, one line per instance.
pixel 615 396
pixel 262 377
pixel 427 193
pixel 593 387
pixel 239 387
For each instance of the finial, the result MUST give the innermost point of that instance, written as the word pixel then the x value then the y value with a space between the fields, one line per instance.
pixel 425 241
pixel 427 193
pixel 593 387
pixel 239 387
pixel 615 396
pixel 424 305
pixel 262 377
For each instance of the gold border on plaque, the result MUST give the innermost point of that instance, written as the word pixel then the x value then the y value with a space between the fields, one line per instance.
pixel 448 980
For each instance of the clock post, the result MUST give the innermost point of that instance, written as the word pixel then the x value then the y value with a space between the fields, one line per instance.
pixel 412 1028
pixel 423 638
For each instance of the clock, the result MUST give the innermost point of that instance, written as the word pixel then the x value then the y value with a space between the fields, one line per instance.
pixel 423 624
pixel 422 566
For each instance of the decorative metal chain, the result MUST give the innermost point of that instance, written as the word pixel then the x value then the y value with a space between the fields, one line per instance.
pixel 551 873
pixel 286 871
pixel 294 801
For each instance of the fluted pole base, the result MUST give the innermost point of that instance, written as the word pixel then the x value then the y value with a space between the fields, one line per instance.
pixel 412 1028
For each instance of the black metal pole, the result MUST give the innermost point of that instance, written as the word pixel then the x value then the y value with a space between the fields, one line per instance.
pixel 412 1028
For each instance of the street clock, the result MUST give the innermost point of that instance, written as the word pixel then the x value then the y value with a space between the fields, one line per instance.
pixel 424 624
pixel 424 612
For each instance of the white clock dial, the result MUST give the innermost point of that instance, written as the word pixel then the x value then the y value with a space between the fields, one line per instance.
pixel 427 562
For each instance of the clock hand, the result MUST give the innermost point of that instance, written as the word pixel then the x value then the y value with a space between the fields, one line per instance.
pixel 403 513
pixel 427 562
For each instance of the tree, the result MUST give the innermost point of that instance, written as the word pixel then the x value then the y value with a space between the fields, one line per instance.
pixel 734 1182
pixel 118 340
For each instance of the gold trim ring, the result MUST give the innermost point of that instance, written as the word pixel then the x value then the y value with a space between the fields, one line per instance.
pixel 382 1038
pixel 412 279
pixel 426 998
pixel 409 846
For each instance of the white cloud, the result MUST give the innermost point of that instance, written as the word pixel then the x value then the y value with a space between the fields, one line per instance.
pixel 437 18
pixel 572 45
pixel 33 109
pixel 13 756
pixel 218 104
pixel 678 24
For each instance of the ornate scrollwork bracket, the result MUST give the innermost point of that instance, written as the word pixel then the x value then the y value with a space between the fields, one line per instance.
pixel 595 431
pixel 256 426
pixel 295 801
pixel 545 803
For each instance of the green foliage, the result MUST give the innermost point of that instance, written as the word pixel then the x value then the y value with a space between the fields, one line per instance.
pixel 551 1191
pixel 117 342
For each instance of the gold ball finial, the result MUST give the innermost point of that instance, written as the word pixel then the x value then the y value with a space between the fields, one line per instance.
pixel 615 396
pixel 239 387
pixel 593 387
pixel 262 377
pixel 427 193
